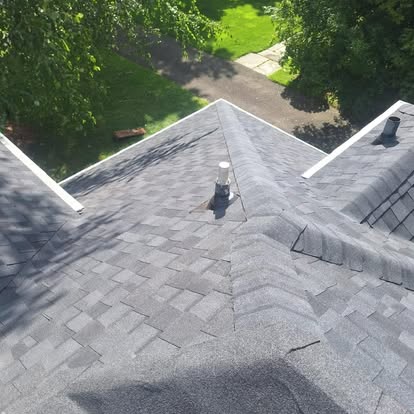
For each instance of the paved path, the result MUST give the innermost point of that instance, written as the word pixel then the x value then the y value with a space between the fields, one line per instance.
pixel 213 78
pixel 265 62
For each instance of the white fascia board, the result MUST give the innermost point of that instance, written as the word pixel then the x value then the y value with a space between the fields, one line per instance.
pixel 339 150
pixel 38 172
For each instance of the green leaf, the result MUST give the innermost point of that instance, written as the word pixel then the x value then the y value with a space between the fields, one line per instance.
pixel 78 17
pixel 51 50
pixel 65 45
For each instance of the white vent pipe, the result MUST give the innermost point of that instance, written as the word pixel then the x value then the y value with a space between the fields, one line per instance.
pixel 223 173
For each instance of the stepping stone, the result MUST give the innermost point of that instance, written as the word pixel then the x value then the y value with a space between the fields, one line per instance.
pixel 274 53
pixel 275 56
pixel 251 60
pixel 278 47
pixel 267 68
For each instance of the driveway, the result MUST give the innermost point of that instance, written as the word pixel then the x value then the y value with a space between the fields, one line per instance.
pixel 212 78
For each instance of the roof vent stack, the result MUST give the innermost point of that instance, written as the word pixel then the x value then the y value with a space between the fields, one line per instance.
pixel 390 129
pixel 223 197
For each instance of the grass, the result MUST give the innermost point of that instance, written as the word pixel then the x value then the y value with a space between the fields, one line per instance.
pixel 283 76
pixel 247 29
pixel 137 97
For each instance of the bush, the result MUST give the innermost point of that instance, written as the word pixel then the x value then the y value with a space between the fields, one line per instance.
pixel 51 51
pixel 360 51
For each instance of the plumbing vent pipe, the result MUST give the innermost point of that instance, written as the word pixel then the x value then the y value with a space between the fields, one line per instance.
pixel 390 128
pixel 223 197
pixel 223 173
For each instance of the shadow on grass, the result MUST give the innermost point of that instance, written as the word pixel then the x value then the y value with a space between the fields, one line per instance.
pixel 222 53
pixel 167 56
pixel 215 9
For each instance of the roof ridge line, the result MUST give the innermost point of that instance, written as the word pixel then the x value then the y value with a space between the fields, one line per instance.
pixel 253 177
pixel 271 125
pixel 265 283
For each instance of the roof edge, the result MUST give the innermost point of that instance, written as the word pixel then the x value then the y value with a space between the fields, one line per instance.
pixel 70 178
pixel 339 150
pixel 90 167
pixel 39 173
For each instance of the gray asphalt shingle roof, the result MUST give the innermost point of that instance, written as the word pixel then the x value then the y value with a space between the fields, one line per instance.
pixel 295 299
pixel 30 215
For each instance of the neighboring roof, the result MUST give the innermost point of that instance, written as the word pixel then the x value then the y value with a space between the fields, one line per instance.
pixel 288 301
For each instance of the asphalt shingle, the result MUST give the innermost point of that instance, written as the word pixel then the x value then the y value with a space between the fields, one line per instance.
pixel 146 272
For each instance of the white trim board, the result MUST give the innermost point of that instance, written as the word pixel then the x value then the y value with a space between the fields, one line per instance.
pixel 38 172
pixel 339 150
pixel 66 180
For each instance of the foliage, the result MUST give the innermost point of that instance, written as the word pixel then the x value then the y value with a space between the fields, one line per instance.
pixel 136 97
pixel 51 51
pixel 245 27
pixel 361 51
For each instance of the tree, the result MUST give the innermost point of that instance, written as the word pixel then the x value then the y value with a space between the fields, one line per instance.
pixel 51 51
pixel 361 51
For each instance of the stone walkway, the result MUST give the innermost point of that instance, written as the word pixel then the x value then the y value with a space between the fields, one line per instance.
pixel 265 62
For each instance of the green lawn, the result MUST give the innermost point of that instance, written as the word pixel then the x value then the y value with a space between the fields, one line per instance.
pixel 283 76
pixel 137 97
pixel 247 29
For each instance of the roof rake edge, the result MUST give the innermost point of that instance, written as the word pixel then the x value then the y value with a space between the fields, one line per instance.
pixel 339 150
pixel 39 173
